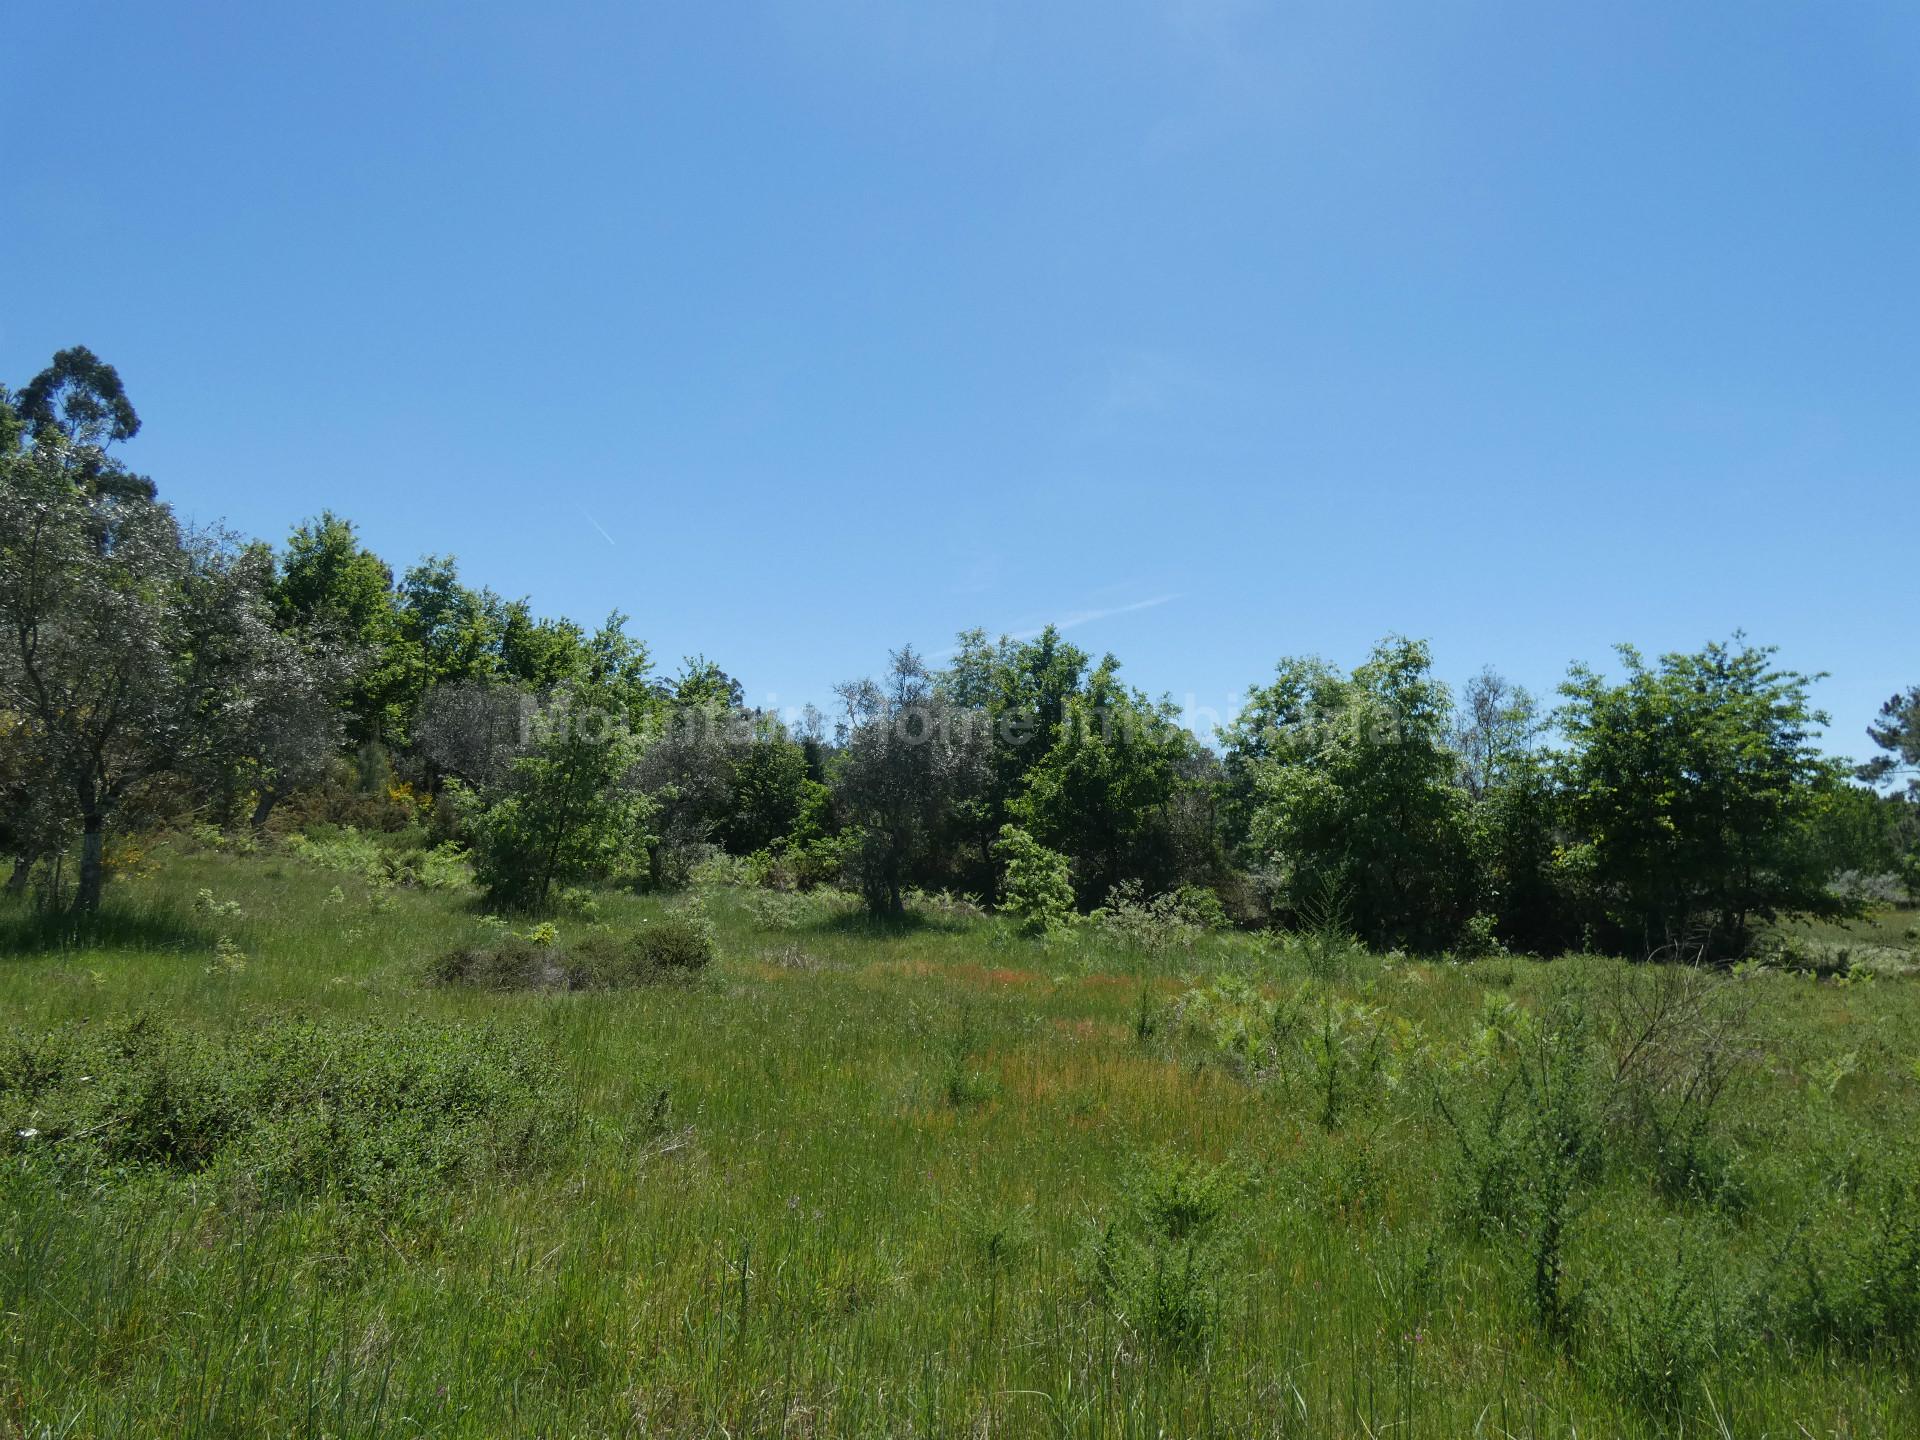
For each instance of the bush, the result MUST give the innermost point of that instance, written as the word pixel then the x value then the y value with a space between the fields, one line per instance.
pixel 380 1115
pixel 1036 885
pixel 1159 1263
pixel 680 941
pixel 1856 1282
pixel 677 944
pixel 1660 1334
pixel 1157 926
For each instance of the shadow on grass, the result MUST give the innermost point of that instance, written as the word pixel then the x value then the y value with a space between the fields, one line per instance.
pixel 27 929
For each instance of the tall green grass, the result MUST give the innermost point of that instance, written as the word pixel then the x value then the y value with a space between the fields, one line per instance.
pixel 938 1179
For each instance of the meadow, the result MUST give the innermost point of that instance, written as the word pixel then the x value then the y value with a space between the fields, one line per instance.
pixel 274 1166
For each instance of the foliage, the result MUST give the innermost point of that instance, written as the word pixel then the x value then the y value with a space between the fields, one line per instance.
pixel 570 810
pixel 1100 793
pixel 911 762
pixel 1694 784
pixel 134 652
pixel 1035 885
pixel 597 959
pixel 1159 1261
pixel 1352 791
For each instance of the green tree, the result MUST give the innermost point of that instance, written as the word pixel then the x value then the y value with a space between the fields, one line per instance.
pixel 570 809
pixel 1896 732
pixel 1353 800
pixel 80 401
pixel 769 789
pixel 1020 690
pixel 330 584
pixel 1514 819
pixel 534 653
pixel 128 649
pixel 1694 785
pixel 451 624
pixel 1101 792
pixel 1036 884
pixel 913 760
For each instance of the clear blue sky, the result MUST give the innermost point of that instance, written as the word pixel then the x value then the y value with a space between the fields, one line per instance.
pixel 1217 329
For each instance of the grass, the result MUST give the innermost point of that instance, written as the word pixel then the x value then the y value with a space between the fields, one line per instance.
pixel 937 1179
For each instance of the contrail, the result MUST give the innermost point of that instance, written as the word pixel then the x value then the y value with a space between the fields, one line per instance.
pixel 596 525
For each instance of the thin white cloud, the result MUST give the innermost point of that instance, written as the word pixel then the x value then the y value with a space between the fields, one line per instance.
pixel 596 525
pixel 1073 619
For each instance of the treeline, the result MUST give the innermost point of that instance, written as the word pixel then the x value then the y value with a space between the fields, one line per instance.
pixel 152 674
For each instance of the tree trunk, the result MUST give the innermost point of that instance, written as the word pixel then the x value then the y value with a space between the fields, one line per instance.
pixel 93 868
pixel 22 868
pixel 262 808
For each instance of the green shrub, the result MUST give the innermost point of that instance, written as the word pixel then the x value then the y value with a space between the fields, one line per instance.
pixel 1156 925
pixel 1522 1107
pixel 1036 885
pixel 598 959
pixel 1159 1262
pixel 378 1115
pixel 682 940
pixel 1855 1281
pixel 509 962
pixel 1199 907
pixel 1658 1333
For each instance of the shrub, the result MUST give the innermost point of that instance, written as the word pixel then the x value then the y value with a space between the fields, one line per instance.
pixel 1339 1055
pixel 1036 885
pixel 510 962
pixel 681 941
pixel 676 944
pixel 1159 1262
pixel 1657 1336
pixel 1530 1146
pixel 1856 1280
pixel 1157 926
pixel 1199 907
pixel 379 1115
pixel 787 910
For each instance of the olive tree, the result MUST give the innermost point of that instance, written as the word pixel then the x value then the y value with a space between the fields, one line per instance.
pixel 912 759
pixel 132 649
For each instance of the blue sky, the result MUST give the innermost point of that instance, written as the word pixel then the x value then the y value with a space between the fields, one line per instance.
pixel 1217 330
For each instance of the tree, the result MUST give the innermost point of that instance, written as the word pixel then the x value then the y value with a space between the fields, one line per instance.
pixel 1019 689
pixel 535 653
pixel 912 759
pixel 473 730
pixel 1693 786
pixel 1897 732
pixel 1496 728
pixel 769 785
pixel 330 584
pixel 79 400
pixel 287 728
pixel 131 650
pixel 36 818
pixel 1513 813
pixel 1353 800
pixel 570 810
pixel 1100 793
pixel 451 625
pixel 1036 884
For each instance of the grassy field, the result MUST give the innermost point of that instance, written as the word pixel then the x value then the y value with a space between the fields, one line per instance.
pixel 939 1180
